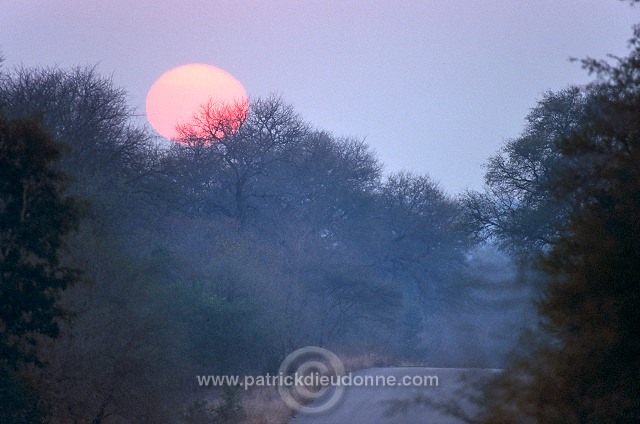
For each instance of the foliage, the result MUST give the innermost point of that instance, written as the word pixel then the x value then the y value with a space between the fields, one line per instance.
pixel 224 252
pixel 18 401
pixel 423 233
pixel 110 159
pixel 199 412
pixel 517 208
pixel 35 216
pixel 230 410
pixel 586 367
pixel 228 169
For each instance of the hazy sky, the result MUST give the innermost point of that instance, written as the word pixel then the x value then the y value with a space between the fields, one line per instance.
pixel 434 86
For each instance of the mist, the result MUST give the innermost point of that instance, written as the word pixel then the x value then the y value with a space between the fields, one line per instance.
pixel 132 265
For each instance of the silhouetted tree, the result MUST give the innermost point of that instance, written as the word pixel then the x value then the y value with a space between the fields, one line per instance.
pixel 423 233
pixel 585 369
pixel 35 217
pixel 110 158
pixel 224 154
pixel 517 208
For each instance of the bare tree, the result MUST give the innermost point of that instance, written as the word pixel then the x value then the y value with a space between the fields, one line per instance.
pixel 233 150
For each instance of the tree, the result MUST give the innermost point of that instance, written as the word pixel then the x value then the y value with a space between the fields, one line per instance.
pixel 327 185
pixel 109 158
pixel 35 217
pixel 517 208
pixel 226 153
pixel 586 368
pixel 423 233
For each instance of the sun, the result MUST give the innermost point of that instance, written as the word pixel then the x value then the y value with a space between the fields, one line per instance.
pixel 179 93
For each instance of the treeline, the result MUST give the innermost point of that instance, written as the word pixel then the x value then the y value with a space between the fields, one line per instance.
pixel 127 266
pixel 219 254
pixel 565 197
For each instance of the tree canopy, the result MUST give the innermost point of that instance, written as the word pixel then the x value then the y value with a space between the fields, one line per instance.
pixel 586 368
pixel 35 217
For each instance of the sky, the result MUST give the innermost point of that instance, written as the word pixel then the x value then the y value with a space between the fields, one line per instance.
pixel 434 86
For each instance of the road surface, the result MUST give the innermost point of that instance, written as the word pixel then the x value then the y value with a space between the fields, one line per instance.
pixel 442 403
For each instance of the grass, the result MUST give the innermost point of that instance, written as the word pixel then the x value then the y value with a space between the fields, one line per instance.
pixel 263 405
